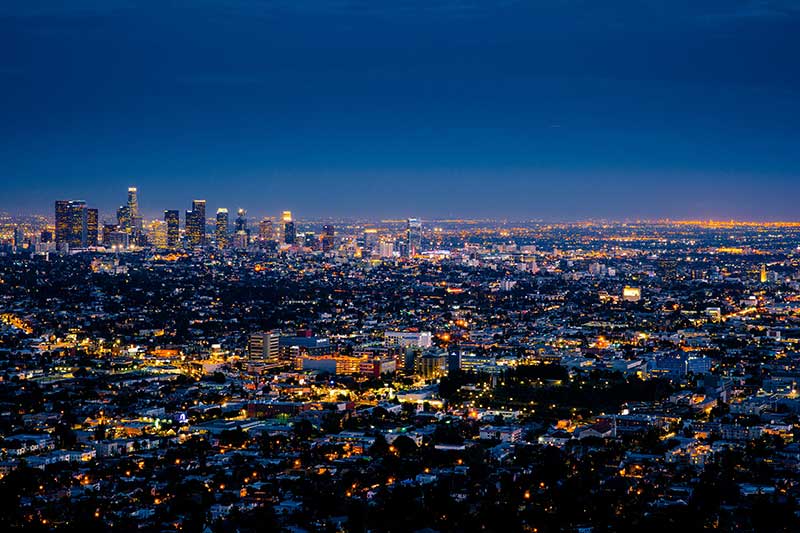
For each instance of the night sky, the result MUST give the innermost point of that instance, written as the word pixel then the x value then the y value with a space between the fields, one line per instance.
pixel 559 109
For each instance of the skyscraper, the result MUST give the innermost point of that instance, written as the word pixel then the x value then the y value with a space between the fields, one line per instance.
pixel 133 202
pixel 241 220
pixel 309 240
pixel 199 207
pixel 157 233
pixel 92 227
pixel 369 241
pixel 196 223
pixel 414 236
pixel 19 238
pixel 71 223
pixel 222 228
pixel 328 236
pixel 266 231
pixel 289 232
pixel 128 217
pixel 62 221
pixel 108 229
pixel 124 218
pixel 137 225
pixel 77 225
pixel 172 218
pixel 241 233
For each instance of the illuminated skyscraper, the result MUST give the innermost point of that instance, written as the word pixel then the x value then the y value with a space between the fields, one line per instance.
pixel 370 241
pixel 77 225
pixel 124 218
pixel 414 236
pixel 19 238
pixel 157 233
pixel 289 232
pixel 128 217
pixel 763 276
pixel 328 236
pixel 222 228
pixel 108 229
pixel 71 223
pixel 199 207
pixel 62 221
pixel 191 227
pixel 266 231
pixel 133 202
pixel 196 223
pixel 241 220
pixel 172 218
pixel 92 227
pixel 136 224
pixel 241 233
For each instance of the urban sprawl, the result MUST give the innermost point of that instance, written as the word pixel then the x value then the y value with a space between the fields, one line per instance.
pixel 225 374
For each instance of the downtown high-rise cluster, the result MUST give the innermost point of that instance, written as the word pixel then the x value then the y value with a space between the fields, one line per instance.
pixel 79 227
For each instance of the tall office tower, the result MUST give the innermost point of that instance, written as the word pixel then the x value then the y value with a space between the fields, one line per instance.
pixel 108 229
pixel 264 345
pixel 266 232
pixel 241 221
pixel 196 223
pixel 62 221
pixel 124 218
pixel 222 228
pixel 71 223
pixel 241 232
pixel 173 220
pixel 370 241
pixel 157 233
pixel 92 227
pixel 133 202
pixel 199 207
pixel 189 223
pixel 77 225
pixel 414 236
pixel 289 232
pixel 19 238
pixel 763 276
pixel 328 235
pixel 310 240
pixel 136 222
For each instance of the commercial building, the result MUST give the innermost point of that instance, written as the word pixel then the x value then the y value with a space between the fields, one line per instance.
pixel 221 232
pixel 71 224
pixel 196 224
pixel 172 218
pixel 264 345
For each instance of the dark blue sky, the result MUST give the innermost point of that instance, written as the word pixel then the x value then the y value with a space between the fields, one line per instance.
pixel 562 109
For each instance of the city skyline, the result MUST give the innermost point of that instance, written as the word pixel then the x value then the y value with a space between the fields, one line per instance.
pixel 110 214
pixel 440 109
pixel 424 266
